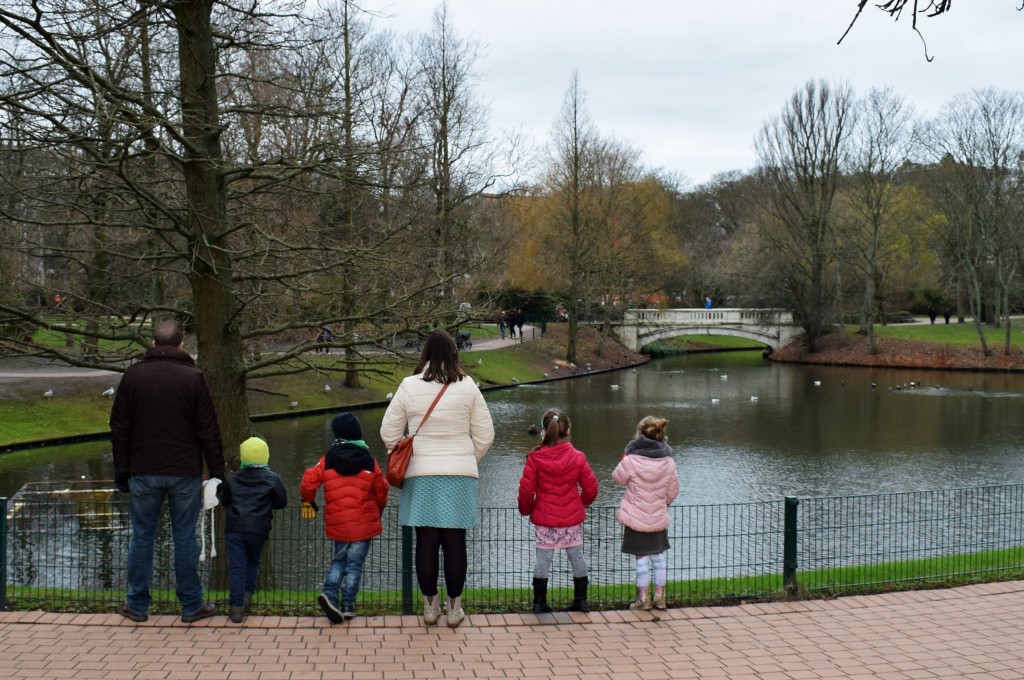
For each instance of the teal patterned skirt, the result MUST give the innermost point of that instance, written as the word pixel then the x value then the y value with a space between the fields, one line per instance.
pixel 446 502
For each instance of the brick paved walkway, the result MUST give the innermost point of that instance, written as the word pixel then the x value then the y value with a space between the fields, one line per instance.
pixel 972 632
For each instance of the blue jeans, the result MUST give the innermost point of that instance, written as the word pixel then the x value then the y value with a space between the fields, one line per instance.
pixel 346 572
pixel 183 501
pixel 244 552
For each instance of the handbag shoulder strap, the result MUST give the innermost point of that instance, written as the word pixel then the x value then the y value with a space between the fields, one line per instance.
pixel 431 409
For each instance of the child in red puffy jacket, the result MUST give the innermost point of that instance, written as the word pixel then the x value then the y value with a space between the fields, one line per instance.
pixel 355 493
pixel 556 487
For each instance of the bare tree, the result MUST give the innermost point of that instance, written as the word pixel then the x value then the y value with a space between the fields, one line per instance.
pixel 454 130
pixel 881 144
pixel 596 204
pixel 202 160
pixel 978 142
pixel 801 154
pixel 716 224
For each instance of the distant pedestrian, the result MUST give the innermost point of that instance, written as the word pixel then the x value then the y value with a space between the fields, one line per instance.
pixel 163 427
pixel 326 334
pixel 510 320
pixel 932 314
pixel 250 497
pixel 946 314
pixel 355 493
pixel 648 472
pixel 501 324
pixel 707 302
pixel 520 321
pixel 555 490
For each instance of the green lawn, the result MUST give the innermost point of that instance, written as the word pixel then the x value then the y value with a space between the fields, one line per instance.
pixel 958 334
pixel 78 406
pixel 992 565
pixel 71 411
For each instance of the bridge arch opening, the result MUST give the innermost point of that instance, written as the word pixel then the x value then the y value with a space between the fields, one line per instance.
pixel 758 341
pixel 690 341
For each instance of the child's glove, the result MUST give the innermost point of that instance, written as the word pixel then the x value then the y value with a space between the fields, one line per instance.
pixel 309 509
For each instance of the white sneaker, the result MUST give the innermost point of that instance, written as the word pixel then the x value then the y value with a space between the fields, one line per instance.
pixel 431 609
pixel 456 614
pixel 642 604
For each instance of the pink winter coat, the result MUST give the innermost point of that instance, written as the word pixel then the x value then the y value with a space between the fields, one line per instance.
pixel 648 472
pixel 557 486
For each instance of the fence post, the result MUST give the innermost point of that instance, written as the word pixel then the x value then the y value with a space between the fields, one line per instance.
pixel 789 537
pixel 406 570
pixel 3 554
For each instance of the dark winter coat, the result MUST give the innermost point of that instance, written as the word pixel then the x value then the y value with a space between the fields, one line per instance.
pixel 163 421
pixel 556 486
pixel 250 497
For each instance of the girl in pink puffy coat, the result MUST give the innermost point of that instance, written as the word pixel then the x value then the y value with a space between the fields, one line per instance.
pixel 556 487
pixel 648 472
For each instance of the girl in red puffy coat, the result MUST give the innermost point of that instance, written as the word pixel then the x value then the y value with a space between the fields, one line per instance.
pixel 556 487
pixel 355 493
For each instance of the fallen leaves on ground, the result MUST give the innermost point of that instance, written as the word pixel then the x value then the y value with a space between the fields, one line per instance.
pixel 849 349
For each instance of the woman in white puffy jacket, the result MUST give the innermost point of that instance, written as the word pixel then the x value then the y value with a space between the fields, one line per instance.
pixel 648 472
pixel 439 496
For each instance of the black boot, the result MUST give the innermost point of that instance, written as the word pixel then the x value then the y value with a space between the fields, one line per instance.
pixel 540 596
pixel 579 595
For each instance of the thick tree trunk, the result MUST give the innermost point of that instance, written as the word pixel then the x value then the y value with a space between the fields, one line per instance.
pixel 215 308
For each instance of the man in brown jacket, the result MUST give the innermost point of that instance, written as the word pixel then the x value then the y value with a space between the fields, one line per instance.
pixel 163 426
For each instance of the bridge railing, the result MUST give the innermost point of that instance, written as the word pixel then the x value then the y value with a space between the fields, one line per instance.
pixel 704 317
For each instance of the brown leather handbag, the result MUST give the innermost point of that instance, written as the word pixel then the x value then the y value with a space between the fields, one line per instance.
pixel 401 452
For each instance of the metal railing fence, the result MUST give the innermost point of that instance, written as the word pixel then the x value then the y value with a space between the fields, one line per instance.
pixel 65 548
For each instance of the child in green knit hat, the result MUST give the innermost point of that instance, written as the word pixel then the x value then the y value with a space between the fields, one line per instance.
pixel 250 497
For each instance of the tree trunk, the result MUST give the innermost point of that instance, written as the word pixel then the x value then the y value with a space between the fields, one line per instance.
pixel 215 308
pixel 574 325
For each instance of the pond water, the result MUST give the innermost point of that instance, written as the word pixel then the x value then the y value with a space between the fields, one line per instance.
pixel 744 429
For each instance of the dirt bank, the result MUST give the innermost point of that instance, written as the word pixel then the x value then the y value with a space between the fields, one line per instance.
pixel 600 353
pixel 850 349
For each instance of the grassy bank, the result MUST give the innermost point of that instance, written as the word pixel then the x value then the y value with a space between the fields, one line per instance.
pixel 954 334
pixel 938 346
pixel 78 406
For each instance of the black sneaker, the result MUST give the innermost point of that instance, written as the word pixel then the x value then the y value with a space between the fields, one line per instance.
pixel 129 614
pixel 333 613
pixel 206 611
pixel 236 614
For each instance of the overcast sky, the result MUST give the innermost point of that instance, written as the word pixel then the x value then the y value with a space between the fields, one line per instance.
pixel 691 83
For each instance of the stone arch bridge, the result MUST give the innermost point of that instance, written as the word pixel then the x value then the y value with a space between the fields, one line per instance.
pixel 773 327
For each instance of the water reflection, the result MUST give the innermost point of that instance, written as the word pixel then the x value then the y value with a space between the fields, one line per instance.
pixel 744 430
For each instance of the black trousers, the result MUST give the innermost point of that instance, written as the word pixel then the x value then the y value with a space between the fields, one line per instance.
pixel 430 541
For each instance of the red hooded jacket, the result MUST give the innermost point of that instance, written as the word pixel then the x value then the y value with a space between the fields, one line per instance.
pixel 556 486
pixel 355 492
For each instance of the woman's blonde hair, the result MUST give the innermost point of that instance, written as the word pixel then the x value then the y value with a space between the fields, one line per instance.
pixel 652 428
